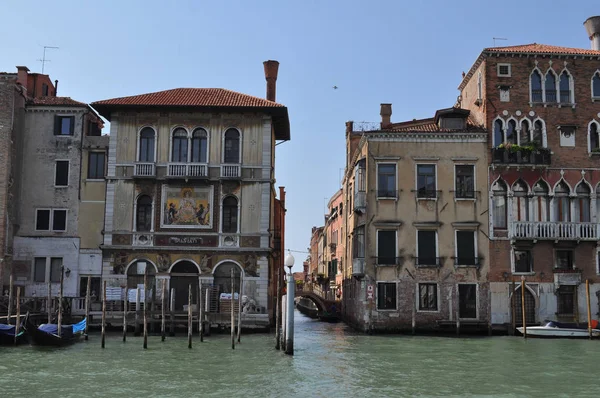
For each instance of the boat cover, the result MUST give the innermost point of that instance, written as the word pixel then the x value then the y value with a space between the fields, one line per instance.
pixel 8 330
pixel 80 327
pixel 52 328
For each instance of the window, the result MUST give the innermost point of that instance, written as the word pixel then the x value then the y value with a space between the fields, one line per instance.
pixel 565 300
pixel 358 242
pixel 498 132
pixel 96 165
pixel 465 181
pixel 64 125
pixel 59 220
pixel 386 247
pixel 61 173
pixel 511 132
pixel 520 201
pixel 561 203
pixel 44 90
pixel 199 146
pixel 94 129
pixel 564 259
pixel 594 132
pixel 231 150
pixel 146 150
pixel 467 301
pixel 39 269
pixel 524 134
pixel 360 184
pixel 596 85
pixel 426 188
pixel 428 297
pixel 499 192
pixel 42 220
pixel 541 202
pixel 55 269
pixel 427 248
pixel 230 214
pixel 386 180
pixel 536 87
pixel 386 296
pixel 466 253
pixel 582 203
pixel 538 133
pixel 95 289
pixel 143 220
pixel 565 88
pixel 504 70
pixel 550 86
pixel 523 261
pixel 180 146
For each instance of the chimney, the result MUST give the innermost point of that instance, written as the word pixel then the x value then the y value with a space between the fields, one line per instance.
pixel 55 87
pixel 592 26
pixel 271 68
pixel 22 72
pixel 386 115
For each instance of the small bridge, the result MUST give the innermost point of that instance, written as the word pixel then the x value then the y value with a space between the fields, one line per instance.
pixel 324 306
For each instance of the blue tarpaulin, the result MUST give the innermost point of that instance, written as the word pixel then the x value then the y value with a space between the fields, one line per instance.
pixel 67 330
pixel 8 330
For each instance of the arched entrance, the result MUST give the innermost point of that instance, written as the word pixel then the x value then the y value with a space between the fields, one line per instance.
pixel 183 274
pixel 222 283
pixel 529 307
pixel 135 274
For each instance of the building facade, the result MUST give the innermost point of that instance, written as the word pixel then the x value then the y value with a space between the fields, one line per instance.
pixel 190 196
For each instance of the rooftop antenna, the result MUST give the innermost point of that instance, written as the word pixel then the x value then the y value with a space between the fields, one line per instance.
pixel 498 38
pixel 44 60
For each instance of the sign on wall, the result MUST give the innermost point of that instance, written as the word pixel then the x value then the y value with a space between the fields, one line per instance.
pixel 370 292
pixel 186 207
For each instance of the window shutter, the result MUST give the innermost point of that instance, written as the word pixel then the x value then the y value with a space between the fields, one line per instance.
pixel 72 125
pixel 56 125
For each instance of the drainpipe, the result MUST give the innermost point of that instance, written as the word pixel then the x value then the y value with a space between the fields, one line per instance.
pixel 81 155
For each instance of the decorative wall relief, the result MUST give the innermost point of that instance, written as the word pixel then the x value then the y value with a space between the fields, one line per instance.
pixel 186 207
pixel 250 265
pixel 205 264
pixel 163 262
pixel 120 262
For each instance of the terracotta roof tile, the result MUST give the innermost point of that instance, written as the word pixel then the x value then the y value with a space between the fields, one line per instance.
pixel 542 49
pixel 55 101
pixel 210 97
pixel 429 126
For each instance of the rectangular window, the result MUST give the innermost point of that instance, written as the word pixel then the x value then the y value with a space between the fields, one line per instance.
pixel 565 300
pixel 59 220
pixel 64 125
pixel 427 248
pixel 564 259
pixel 386 180
pixel 465 248
pixel 523 261
pixel 467 301
pixel 55 269
pixel 94 130
pixel 358 242
pixel 504 70
pixel 386 296
pixel 42 220
pixel 96 165
pixel 465 181
pixel 61 173
pixel 426 186
pixel 386 247
pixel 39 269
pixel 428 297
pixel 44 90
pixel 499 210
pixel 94 288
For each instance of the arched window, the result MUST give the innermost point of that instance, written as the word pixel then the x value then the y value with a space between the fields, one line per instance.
pixel 550 86
pixel 511 132
pixel 146 152
pixel 561 203
pixel 594 137
pixel 538 135
pixel 231 150
pixel 536 87
pixel 180 146
pixel 524 134
pixel 143 217
pixel 498 133
pixel 499 204
pixel 520 202
pixel 541 201
pixel 565 88
pixel 199 146
pixel 230 215
pixel 596 85
pixel 582 203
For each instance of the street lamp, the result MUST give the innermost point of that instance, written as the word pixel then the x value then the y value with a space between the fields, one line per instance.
pixel 289 335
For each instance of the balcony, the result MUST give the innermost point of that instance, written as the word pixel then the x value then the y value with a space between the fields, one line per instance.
pixel 144 170
pixel 428 262
pixel 358 267
pixel 539 156
pixel 548 230
pixel 388 261
pixel 187 170
pixel 231 171
pixel 387 194
pixel 360 201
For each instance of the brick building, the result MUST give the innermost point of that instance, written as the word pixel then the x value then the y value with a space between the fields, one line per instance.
pixel 541 107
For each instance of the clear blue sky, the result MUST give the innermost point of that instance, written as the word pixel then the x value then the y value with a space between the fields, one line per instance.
pixel 408 53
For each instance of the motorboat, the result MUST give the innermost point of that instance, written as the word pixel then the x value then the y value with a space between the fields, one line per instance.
pixel 558 329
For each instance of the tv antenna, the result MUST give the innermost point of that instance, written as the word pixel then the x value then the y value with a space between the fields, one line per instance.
pixel 44 60
pixel 498 38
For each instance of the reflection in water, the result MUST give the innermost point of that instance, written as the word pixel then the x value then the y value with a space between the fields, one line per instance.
pixel 330 360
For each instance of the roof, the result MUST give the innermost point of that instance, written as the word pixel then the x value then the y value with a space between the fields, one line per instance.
pixel 535 48
pixel 203 98
pixel 430 125
pixel 55 101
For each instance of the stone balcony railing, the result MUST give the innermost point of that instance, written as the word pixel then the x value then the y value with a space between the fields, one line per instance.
pixel 549 230
pixel 231 171
pixel 144 169
pixel 187 170
pixel 540 156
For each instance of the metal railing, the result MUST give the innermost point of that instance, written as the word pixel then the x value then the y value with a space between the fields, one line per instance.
pixel 467 261
pixel 383 261
pixel 565 96
pixel 426 193
pixel 536 96
pixel 554 230
pixel 425 262
pixel 230 170
pixel 504 155
pixel 144 169
pixel 550 95
pixel 387 193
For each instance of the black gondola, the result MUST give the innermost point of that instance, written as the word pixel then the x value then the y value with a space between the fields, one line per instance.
pixel 47 334
pixel 7 333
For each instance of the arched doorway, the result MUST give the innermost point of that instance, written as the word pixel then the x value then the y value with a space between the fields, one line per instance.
pixel 222 283
pixel 135 274
pixel 529 307
pixel 183 274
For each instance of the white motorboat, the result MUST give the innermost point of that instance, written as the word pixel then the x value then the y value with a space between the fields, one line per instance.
pixel 557 329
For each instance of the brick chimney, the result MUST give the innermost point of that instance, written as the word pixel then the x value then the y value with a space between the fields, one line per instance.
pixel 22 73
pixel 592 26
pixel 386 115
pixel 271 68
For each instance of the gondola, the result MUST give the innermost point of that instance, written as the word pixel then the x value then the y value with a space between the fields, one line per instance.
pixel 47 333
pixel 7 333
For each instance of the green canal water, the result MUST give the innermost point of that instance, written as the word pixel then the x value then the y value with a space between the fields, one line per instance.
pixel 330 361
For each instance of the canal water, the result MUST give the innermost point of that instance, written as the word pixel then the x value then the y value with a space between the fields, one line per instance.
pixel 330 360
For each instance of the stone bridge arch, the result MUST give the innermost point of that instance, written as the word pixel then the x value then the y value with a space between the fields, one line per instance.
pixel 322 305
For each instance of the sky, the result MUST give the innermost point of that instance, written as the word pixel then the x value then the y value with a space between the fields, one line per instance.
pixel 407 53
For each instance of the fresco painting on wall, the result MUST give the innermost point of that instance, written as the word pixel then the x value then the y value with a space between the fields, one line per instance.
pixel 186 207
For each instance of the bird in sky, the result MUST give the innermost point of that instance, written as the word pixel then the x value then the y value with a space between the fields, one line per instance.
pixel 335 87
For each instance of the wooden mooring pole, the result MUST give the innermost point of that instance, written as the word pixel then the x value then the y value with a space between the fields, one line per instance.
pixel 589 306
pixel 200 313
pixel 60 299
pixel 278 312
pixel 239 325
pixel 146 308
pixel 162 310
pixel 125 310
pixel 232 311
pixel 190 317
pixel 10 297
pixel 457 324
pixel 18 324
pixel 87 306
pixel 513 303
pixel 172 310
pixel 49 303
pixel 103 337
pixel 136 327
pixel 523 307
